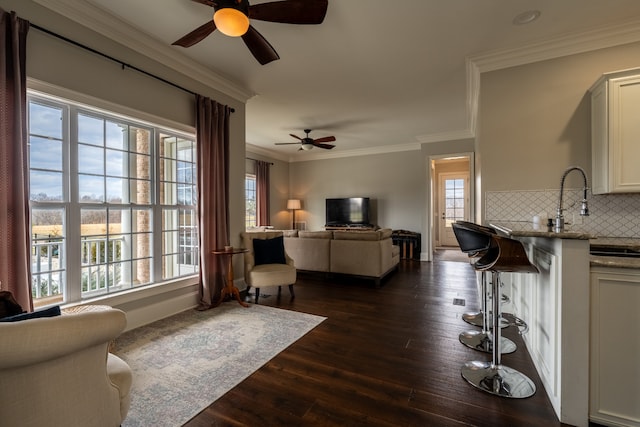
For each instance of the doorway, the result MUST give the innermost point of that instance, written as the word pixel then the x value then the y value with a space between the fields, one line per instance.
pixel 452 197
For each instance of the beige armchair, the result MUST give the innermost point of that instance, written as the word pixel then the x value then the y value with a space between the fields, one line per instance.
pixel 266 263
pixel 57 371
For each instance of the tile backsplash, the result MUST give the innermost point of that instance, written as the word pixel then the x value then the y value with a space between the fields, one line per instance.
pixel 610 215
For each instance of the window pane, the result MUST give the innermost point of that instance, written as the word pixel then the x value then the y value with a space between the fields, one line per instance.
pixel 90 159
pixel 45 153
pixel 45 120
pixel 140 191
pixel 45 186
pixel 90 130
pixel 140 140
pixel 142 166
pixel 116 135
pixel 116 188
pixel 48 261
pixel 116 163
pixel 91 188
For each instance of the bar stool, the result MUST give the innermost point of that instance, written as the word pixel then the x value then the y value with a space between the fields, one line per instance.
pixel 503 255
pixel 475 240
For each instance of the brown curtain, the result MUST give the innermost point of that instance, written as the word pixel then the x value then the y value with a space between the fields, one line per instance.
pixel 262 193
pixel 15 253
pixel 212 132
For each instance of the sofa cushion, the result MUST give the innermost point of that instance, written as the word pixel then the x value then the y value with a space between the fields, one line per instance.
pixel 290 233
pixel 48 312
pixel 356 235
pixel 315 234
pixel 269 251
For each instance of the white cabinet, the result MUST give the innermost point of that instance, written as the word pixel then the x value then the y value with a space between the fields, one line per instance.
pixel 615 133
pixel 555 305
pixel 615 347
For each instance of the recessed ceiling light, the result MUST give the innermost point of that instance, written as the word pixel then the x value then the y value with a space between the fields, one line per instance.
pixel 526 17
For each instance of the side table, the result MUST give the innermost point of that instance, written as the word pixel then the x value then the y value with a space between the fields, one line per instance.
pixel 229 288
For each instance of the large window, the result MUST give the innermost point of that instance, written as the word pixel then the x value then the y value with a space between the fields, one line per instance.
pixel 102 187
pixel 250 200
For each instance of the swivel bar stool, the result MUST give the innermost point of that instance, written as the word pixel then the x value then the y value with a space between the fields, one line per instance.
pixel 475 247
pixel 503 255
pixel 475 240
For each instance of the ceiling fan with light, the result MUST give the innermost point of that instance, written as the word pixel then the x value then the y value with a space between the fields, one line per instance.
pixel 232 17
pixel 307 143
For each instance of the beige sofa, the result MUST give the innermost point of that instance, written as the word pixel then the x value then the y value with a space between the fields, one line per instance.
pixel 57 371
pixel 367 254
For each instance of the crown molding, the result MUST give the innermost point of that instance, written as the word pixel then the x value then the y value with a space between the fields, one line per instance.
pixel 446 136
pixel 325 155
pixel 250 148
pixel 556 47
pixel 115 29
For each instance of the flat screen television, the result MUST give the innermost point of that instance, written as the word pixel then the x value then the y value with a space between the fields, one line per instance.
pixel 348 211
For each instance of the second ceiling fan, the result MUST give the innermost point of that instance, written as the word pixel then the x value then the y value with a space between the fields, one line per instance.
pixel 232 17
pixel 307 143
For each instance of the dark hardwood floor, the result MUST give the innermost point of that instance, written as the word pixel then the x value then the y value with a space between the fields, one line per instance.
pixel 383 357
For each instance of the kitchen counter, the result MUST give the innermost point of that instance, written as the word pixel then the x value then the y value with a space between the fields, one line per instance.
pixel 528 229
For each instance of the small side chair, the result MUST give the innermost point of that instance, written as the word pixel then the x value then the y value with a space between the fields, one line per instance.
pixel 266 263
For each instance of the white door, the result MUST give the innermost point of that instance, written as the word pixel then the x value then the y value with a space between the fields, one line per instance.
pixel 453 204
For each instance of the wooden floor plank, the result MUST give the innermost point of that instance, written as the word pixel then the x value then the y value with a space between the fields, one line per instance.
pixel 387 356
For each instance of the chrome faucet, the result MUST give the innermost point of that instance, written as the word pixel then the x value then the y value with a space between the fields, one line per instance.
pixel 584 208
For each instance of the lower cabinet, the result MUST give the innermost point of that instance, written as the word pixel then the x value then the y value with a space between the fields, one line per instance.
pixel 615 347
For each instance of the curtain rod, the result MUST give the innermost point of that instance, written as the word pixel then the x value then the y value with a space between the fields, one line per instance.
pixel 123 64
pixel 256 160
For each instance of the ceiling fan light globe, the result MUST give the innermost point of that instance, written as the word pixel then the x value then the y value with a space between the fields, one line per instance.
pixel 231 22
pixel 307 146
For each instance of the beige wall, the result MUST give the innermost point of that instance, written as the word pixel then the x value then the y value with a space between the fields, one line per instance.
pixel 394 182
pixel 534 119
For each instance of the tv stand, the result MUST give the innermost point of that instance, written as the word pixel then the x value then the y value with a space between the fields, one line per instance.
pixel 351 227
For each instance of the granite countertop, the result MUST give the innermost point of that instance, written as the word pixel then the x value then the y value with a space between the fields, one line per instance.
pixel 529 229
pixel 615 261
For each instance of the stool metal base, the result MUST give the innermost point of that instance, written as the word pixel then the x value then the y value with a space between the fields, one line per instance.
pixel 475 318
pixel 498 380
pixel 481 341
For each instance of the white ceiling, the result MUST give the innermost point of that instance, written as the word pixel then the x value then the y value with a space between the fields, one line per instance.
pixel 380 75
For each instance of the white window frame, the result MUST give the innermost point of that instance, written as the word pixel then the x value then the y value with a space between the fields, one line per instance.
pixel 46 94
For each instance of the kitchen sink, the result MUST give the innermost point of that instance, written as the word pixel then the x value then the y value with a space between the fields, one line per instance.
pixel 614 251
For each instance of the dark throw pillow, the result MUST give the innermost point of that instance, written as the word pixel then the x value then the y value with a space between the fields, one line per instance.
pixel 269 251
pixel 8 305
pixel 47 312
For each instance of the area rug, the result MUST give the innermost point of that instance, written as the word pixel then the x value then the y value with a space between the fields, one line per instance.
pixel 183 363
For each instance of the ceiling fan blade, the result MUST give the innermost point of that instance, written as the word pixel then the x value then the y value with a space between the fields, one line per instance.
pixel 295 136
pixel 325 139
pixel 287 143
pixel 325 146
pixel 196 35
pixel 207 2
pixel 303 12
pixel 259 46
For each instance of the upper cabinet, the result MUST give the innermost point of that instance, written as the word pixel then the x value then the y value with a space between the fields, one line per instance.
pixel 615 133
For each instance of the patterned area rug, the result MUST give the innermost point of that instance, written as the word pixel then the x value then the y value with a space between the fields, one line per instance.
pixel 183 363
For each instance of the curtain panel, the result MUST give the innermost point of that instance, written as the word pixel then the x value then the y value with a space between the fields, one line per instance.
pixel 212 132
pixel 15 251
pixel 262 193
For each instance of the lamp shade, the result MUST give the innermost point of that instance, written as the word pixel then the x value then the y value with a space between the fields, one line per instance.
pixel 293 204
pixel 231 22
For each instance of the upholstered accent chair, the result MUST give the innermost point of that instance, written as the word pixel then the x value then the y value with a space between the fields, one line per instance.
pixel 266 263
pixel 57 371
